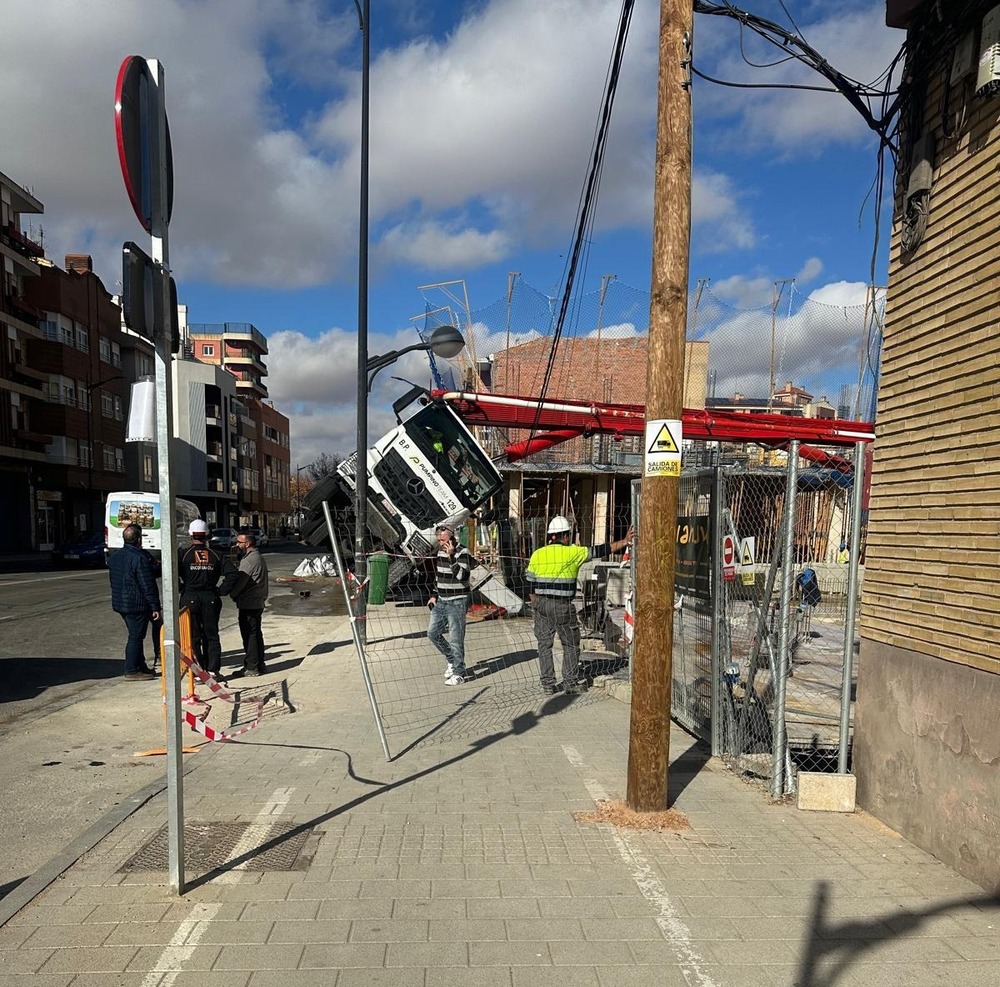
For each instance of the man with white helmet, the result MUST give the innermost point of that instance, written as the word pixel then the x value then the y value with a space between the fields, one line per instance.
pixel 552 573
pixel 199 569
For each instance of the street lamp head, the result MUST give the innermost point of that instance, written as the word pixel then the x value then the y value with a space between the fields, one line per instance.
pixel 446 342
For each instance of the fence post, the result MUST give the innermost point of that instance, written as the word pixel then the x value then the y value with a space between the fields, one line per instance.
pixel 852 605
pixel 784 637
pixel 718 608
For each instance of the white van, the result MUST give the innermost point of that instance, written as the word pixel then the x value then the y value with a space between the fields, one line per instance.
pixel 135 507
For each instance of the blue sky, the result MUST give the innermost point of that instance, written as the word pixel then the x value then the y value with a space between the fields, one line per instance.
pixel 483 116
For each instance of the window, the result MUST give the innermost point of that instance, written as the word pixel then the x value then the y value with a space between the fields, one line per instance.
pixel 147 467
pixel 83 396
pixel 83 340
pixel 66 335
pixel 86 457
pixel 116 355
pixel 145 365
pixel 119 460
pixel 107 405
pixel 207 350
pixel 105 349
pixel 69 393
pixel 109 457
pixel 118 407
pixel 50 330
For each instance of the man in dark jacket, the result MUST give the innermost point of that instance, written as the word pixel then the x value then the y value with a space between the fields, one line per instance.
pixel 199 569
pixel 134 595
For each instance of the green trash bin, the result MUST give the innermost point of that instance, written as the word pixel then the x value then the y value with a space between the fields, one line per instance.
pixel 378 577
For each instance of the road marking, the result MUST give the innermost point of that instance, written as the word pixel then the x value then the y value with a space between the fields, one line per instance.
pixel 46 579
pixel 170 963
pixel 667 918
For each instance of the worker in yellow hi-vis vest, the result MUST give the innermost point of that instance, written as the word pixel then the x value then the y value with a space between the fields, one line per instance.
pixel 552 572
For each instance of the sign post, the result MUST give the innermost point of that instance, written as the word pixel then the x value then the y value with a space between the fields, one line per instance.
pixel 147 167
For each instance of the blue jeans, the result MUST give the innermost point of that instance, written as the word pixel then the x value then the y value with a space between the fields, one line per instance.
pixel 137 624
pixel 450 614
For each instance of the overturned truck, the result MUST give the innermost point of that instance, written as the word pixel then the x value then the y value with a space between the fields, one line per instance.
pixel 427 470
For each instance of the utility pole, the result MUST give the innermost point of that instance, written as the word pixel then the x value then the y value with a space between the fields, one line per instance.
pixel 649 732
pixel 776 294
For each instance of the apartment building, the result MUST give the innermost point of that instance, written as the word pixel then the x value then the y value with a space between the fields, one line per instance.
pixel 262 452
pixel 22 387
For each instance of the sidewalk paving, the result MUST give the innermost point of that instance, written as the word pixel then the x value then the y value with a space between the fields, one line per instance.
pixel 460 862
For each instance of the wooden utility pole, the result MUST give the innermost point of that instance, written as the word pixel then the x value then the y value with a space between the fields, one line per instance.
pixel 649 736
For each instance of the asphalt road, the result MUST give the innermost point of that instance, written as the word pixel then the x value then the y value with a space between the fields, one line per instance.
pixel 70 726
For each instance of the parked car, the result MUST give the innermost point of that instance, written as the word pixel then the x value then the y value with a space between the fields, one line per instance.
pixel 261 536
pixel 224 539
pixel 82 550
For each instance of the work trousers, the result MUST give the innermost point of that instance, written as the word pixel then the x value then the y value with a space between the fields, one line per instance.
pixel 557 616
pixel 253 639
pixel 204 607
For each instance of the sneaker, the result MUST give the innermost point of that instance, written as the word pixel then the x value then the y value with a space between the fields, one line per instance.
pixel 577 688
pixel 456 678
pixel 138 677
pixel 550 689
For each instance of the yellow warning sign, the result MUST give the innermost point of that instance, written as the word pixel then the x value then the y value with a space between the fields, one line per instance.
pixel 747 551
pixel 663 441
pixel 663 448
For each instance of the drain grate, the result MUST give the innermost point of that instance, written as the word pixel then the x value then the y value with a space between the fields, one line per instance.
pixel 246 846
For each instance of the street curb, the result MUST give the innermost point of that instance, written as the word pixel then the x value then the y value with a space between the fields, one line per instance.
pixel 31 887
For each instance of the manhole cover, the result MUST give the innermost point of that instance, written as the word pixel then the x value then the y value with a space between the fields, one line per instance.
pixel 246 846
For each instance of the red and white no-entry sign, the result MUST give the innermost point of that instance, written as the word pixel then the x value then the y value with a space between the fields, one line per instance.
pixel 728 557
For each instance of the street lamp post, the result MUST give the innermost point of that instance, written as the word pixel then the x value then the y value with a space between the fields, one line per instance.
pixel 445 341
pixel 361 457
pixel 90 445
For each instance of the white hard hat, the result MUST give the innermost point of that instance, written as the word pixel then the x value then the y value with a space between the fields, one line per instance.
pixel 559 525
pixel 198 527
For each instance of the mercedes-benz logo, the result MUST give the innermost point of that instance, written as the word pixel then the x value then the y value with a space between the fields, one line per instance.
pixel 415 486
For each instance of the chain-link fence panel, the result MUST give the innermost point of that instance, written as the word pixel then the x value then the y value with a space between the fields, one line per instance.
pixel 759 739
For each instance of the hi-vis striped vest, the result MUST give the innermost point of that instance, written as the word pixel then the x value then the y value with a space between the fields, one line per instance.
pixel 552 570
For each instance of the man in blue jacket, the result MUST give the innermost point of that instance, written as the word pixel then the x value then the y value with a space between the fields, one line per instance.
pixel 134 595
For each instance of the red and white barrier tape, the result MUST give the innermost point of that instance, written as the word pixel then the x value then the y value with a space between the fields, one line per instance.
pixel 217 735
pixel 196 722
pixel 629 631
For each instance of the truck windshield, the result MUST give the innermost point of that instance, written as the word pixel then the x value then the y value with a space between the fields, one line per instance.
pixel 455 455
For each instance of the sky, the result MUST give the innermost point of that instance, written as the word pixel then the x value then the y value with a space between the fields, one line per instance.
pixel 483 116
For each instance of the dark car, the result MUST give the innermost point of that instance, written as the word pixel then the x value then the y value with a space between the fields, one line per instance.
pixel 224 539
pixel 83 550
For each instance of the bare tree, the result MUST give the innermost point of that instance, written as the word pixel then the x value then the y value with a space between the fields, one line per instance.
pixel 324 464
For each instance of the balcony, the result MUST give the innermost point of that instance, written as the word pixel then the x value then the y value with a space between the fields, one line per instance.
pixel 233 332
pixel 34 378
pixel 213 413
pixel 245 358
pixel 11 235
pixel 251 387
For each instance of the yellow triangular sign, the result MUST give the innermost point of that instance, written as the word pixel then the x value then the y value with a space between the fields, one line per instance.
pixel 663 441
pixel 747 555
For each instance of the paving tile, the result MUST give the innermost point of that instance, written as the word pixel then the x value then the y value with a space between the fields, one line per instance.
pixel 11 979
pixel 315 931
pixel 525 907
pixel 467 930
pixel 434 909
pixel 96 959
pixel 509 954
pixel 334 956
pixel 427 954
pixel 554 977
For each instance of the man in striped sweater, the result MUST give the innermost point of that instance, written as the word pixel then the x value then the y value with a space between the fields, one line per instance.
pixel 450 601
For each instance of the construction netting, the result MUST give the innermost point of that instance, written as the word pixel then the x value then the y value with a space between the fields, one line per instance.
pixel 817 354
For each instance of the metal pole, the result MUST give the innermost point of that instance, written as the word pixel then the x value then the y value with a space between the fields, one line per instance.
pixel 359 646
pixel 854 565
pixel 718 609
pixel 784 637
pixel 361 464
pixel 168 532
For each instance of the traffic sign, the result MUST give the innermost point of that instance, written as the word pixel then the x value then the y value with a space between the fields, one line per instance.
pixel 137 132
pixel 663 448
pixel 728 557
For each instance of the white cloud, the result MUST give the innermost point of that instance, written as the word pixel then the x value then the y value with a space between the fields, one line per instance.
pixel 719 220
pixel 809 271
pixel 494 121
